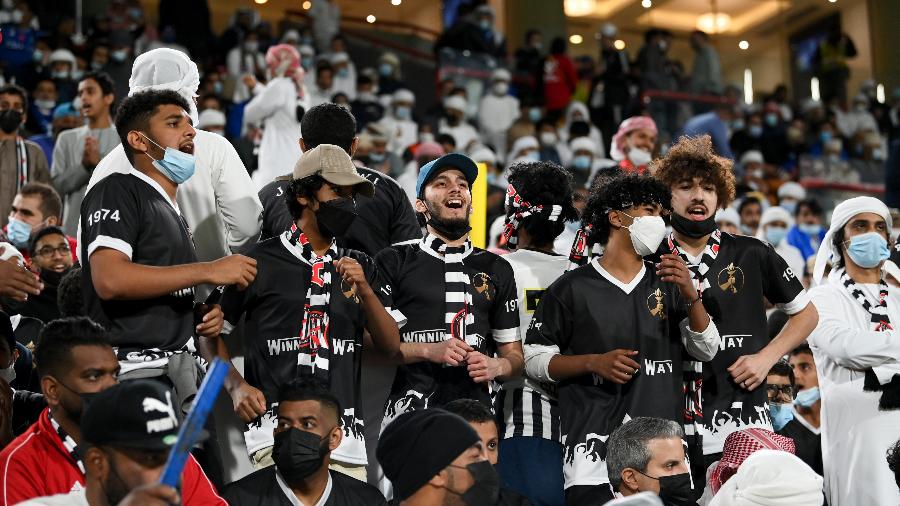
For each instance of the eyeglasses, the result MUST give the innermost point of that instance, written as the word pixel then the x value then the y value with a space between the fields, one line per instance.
pixel 48 251
pixel 775 391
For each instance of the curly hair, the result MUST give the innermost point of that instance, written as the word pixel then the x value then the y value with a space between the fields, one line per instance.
pixel 692 157
pixel 548 184
pixel 619 193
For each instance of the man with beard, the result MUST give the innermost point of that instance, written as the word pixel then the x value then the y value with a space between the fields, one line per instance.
pixel 459 301
pixel 734 274
pixel 21 161
pixel 309 430
pixel 51 257
pixel 76 362
pixel 125 447
pixel 613 334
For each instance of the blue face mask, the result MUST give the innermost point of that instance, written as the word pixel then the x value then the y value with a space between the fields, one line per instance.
pixel 737 124
pixel 218 87
pixel 868 250
pixel 806 398
pixel 825 137
pixel 781 414
pixel 789 206
pixel 18 233
pixel 377 157
pixel 581 162
pixel 402 112
pixel 771 119
pixel 534 114
pixel 343 72
pixel 811 230
pixel 775 235
pixel 755 131
pixel 175 165
pixel 385 69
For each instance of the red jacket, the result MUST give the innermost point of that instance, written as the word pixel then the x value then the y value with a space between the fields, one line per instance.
pixel 36 464
pixel 560 79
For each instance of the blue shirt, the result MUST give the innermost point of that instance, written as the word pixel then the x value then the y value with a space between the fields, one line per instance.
pixel 710 123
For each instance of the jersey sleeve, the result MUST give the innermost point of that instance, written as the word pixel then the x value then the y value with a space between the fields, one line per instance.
pixel 110 218
pixel 382 288
pixel 275 215
pixel 405 227
pixel 387 268
pixel 549 332
pixel 232 301
pixel 780 283
pixel 504 316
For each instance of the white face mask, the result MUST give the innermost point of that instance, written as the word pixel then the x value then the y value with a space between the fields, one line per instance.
pixel 501 88
pixel 9 374
pixel 548 138
pixel 639 156
pixel 647 233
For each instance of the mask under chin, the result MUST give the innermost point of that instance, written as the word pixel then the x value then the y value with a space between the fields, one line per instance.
pixel 451 229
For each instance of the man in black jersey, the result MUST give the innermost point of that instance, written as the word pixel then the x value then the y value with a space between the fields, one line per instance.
pixel 308 306
pixel 459 301
pixel 139 263
pixel 308 432
pixel 385 219
pixel 613 333
pixel 734 274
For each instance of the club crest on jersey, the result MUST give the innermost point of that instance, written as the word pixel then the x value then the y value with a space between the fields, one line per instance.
pixel 482 284
pixel 731 278
pixel 655 304
pixel 349 291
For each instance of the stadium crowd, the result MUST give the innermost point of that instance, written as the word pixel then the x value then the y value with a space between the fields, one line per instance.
pixel 665 310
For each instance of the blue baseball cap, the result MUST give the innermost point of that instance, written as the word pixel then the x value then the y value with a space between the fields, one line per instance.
pixel 65 109
pixel 456 161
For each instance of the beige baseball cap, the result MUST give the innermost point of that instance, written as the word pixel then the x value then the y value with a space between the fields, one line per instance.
pixel 334 165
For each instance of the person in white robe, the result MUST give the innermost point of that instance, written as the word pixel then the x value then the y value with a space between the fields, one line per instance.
pixel 497 112
pixel 274 108
pixel 773 228
pixel 454 123
pixel 857 354
pixel 399 123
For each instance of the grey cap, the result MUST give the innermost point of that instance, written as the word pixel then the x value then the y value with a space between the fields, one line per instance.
pixel 334 165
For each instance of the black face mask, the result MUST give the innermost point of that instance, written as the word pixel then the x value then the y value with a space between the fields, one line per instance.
pixel 335 216
pixel 675 490
pixel 298 453
pixel 691 228
pixel 486 489
pixel 52 278
pixel 73 411
pixel 10 120
pixel 451 229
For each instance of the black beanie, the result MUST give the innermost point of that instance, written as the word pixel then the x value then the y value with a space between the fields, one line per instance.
pixel 418 445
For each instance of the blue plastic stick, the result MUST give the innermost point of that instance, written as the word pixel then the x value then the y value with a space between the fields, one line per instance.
pixel 192 427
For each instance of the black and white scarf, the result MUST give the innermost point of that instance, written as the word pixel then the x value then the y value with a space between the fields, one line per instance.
pixel 21 164
pixel 315 349
pixel 68 442
pixel 581 247
pixel 521 209
pixel 699 271
pixel 692 370
pixel 458 316
pixel 878 316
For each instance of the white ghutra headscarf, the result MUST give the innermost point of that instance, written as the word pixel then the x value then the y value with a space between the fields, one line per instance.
pixel 166 69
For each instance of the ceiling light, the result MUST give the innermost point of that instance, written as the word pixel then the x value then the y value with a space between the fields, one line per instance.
pixel 748 86
pixel 814 89
pixel 307 5
pixel 879 93
pixel 261 1
pixel 577 8
pixel 619 44
pixel 744 45
pixel 713 23
pixel 370 18
pixel 646 4
pixel 576 39
pixel 396 2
